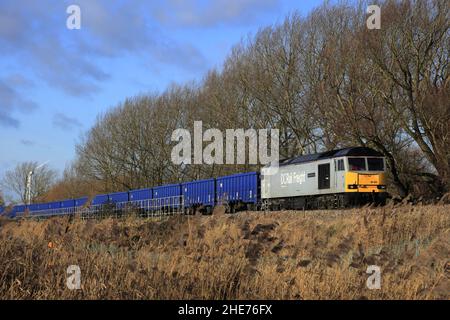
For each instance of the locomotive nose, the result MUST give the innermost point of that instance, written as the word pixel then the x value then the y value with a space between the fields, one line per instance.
pixel 363 182
pixel 369 179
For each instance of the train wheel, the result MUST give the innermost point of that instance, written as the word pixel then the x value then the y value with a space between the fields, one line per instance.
pixel 265 205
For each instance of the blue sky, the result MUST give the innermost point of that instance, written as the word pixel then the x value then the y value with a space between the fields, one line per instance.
pixel 55 81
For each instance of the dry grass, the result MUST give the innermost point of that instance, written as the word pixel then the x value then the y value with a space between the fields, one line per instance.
pixel 284 255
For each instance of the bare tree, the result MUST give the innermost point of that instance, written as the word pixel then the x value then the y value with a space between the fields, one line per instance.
pixel 15 180
pixel 386 88
pixel 411 54
pixel 130 146
pixel 2 199
pixel 271 71
pixel 345 88
pixel 324 80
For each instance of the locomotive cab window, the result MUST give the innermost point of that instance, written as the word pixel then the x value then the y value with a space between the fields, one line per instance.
pixel 375 164
pixel 340 165
pixel 357 164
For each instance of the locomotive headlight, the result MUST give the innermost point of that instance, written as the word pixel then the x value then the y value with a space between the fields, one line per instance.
pixel 381 187
pixel 352 186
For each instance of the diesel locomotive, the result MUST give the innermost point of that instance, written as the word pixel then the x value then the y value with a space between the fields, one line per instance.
pixel 333 179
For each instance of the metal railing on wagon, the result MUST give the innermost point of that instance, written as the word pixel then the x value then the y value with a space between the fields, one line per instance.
pixel 46 213
pixel 147 208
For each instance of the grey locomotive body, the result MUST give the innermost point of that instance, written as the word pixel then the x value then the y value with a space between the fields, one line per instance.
pixel 325 180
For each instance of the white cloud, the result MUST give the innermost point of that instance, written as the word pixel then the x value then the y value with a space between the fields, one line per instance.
pixel 65 122
pixel 69 59
pixel 212 13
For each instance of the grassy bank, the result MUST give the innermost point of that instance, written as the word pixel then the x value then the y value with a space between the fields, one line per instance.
pixel 279 255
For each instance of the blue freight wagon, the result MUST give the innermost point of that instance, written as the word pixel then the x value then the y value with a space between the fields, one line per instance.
pixel 12 212
pixel 238 190
pixel 141 194
pixel 119 199
pixel 43 207
pixel 200 193
pixel 33 207
pixel 141 198
pixel 79 202
pixel 65 204
pixel 68 206
pixel 47 208
pixel 167 197
pixel 71 206
pixel 54 207
pixel 18 210
pixel 100 199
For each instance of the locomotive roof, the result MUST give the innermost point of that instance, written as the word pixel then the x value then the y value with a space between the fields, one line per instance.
pixel 353 151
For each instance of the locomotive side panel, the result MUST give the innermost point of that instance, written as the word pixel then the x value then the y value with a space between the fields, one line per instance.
pixel 304 179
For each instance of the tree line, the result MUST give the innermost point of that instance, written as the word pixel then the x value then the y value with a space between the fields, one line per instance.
pixel 325 81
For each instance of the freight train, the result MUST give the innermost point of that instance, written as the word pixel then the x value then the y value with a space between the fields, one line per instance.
pixel 327 180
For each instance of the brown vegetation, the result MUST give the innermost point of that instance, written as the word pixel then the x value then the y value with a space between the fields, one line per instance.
pixel 281 255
